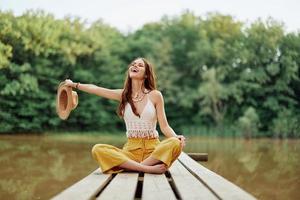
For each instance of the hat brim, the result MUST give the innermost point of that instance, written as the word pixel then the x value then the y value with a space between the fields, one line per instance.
pixel 75 99
pixel 64 101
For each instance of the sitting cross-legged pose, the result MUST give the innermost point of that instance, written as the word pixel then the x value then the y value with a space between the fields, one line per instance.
pixel 140 105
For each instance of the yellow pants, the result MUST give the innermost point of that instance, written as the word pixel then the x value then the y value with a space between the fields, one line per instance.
pixel 137 149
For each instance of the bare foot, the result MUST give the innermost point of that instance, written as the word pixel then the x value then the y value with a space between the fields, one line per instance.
pixel 156 169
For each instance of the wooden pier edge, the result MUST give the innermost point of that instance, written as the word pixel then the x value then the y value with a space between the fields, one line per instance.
pixel 198 156
pixel 185 179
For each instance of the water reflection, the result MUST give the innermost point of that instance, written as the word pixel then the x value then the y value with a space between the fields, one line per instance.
pixel 268 169
pixel 38 167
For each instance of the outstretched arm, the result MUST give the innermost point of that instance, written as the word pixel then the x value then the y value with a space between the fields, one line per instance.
pixel 114 94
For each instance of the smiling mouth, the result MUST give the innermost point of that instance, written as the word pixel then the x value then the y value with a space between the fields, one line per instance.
pixel 135 70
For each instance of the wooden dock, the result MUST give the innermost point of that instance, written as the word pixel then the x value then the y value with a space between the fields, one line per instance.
pixel 186 179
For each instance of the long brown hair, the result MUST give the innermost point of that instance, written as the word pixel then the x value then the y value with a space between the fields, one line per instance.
pixel 149 84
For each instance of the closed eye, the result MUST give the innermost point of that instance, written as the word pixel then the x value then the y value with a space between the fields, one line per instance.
pixel 134 63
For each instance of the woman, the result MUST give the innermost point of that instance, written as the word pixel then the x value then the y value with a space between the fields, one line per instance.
pixel 141 104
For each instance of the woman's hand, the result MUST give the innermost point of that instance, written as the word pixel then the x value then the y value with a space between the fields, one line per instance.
pixel 182 140
pixel 69 82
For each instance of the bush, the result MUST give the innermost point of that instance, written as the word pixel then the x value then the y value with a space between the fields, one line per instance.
pixel 287 124
pixel 248 123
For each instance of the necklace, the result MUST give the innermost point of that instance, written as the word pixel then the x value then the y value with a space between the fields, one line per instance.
pixel 136 99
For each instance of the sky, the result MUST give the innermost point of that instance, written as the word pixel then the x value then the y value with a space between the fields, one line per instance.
pixel 129 15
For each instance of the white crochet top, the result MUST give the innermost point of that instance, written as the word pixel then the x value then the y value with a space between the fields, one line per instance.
pixel 143 127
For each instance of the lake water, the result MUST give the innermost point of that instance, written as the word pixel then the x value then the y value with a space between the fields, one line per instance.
pixel 38 167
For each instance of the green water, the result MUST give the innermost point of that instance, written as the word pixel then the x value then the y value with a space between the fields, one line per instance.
pixel 38 167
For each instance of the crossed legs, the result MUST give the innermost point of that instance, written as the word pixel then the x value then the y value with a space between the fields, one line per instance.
pixel 167 151
pixel 149 165
pixel 150 161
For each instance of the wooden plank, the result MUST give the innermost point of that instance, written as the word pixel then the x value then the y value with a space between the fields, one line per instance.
pixel 187 185
pixel 122 186
pixel 198 156
pixel 86 188
pixel 223 188
pixel 156 186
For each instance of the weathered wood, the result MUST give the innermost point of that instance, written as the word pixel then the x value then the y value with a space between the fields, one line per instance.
pixel 221 187
pixel 156 186
pixel 186 179
pixel 198 156
pixel 122 186
pixel 187 185
pixel 86 188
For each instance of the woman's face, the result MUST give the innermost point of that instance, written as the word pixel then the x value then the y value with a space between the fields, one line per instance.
pixel 137 69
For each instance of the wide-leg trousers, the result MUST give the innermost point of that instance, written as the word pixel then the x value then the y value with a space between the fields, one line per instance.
pixel 109 157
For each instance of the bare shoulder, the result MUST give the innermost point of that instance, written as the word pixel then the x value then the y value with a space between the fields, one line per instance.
pixel 155 93
pixel 155 96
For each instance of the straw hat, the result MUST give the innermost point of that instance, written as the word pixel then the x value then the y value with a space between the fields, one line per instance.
pixel 66 100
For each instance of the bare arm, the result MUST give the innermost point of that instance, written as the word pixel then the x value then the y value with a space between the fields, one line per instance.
pixel 114 94
pixel 162 119
pixel 161 115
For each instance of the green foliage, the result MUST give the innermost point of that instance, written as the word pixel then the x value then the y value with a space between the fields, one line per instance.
pixel 210 69
pixel 248 123
pixel 211 94
pixel 287 124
